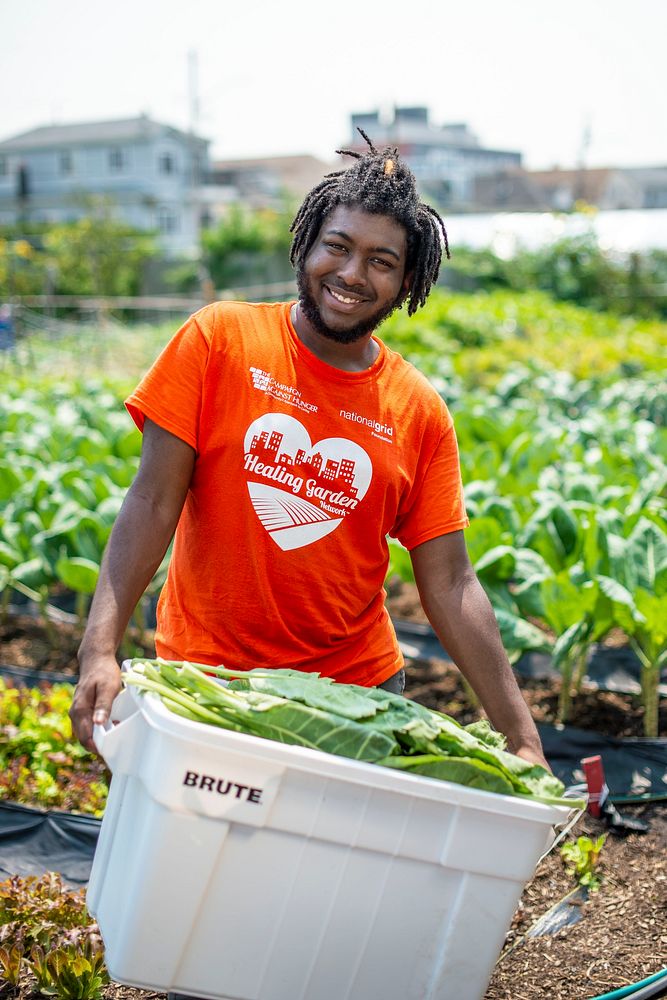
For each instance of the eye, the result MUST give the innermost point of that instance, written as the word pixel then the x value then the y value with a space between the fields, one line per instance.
pixel 386 265
pixel 335 247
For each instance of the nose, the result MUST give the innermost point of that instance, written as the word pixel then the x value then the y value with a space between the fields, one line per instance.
pixel 352 271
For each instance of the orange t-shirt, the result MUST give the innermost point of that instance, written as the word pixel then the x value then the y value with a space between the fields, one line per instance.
pixel 302 470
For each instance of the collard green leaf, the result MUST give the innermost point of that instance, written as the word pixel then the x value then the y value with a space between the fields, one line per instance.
pixel 460 770
pixel 568 643
pixel 78 574
pixel 519 634
pixel 567 527
pixel 497 563
pixel 483 535
pixel 484 731
pixel 653 629
pixel 322 693
pixel 647 552
pixel 565 603
pixel 397 729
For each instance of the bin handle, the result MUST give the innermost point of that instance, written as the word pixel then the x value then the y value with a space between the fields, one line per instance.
pixel 574 792
pixel 107 737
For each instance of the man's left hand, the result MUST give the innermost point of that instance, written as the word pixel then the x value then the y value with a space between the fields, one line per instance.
pixel 533 756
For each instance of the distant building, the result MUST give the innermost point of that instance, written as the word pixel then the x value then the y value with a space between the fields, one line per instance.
pixel 265 182
pixel 447 160
pixel 652 181
pixel 560 190
pixel 151 173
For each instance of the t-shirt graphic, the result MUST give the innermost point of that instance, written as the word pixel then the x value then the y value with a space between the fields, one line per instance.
pixel 300 490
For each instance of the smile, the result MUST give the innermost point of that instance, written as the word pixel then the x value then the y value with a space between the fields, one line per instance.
pixel 344 299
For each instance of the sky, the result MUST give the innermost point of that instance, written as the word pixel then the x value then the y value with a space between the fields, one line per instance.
pixel 562 83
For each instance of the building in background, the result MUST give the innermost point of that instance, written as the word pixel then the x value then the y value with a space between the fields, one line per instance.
pixel 447 160
pixel 269 181
pixel 557 190
pixel 150 174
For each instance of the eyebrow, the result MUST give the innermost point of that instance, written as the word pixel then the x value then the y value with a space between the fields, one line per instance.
pixel 388 250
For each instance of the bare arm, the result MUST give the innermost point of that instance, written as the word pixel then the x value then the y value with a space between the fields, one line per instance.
pixel 139 539
pixel 463 620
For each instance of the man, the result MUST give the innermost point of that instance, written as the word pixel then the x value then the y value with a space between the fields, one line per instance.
pixel 282 444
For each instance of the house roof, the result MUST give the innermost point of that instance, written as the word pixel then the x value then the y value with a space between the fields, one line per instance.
pixel 297 174
pixel 78 133
pixel 590 182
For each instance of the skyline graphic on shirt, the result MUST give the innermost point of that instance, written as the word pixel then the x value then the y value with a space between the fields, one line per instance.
pixel 329 473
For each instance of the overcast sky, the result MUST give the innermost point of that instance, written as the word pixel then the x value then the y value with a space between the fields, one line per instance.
pixel 272 78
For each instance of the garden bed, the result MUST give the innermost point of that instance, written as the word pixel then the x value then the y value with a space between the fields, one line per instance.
pixel 621 937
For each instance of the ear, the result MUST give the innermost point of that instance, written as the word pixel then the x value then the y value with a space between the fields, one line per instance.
pixel 405 287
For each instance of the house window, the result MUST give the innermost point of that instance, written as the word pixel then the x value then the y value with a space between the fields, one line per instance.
pixel 66 163
pixel 168 221
pixel 166 164
pixel 116 160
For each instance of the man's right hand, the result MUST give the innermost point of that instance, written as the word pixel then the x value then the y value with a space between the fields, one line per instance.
pixel 98 686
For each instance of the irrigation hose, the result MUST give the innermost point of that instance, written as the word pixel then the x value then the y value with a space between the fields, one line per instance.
pixel 645 988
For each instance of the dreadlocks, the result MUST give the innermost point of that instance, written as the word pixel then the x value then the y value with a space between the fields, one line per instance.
pixel 379 184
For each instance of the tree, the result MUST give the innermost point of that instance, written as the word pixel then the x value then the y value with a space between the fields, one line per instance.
pixel 97 255
pixel 249 247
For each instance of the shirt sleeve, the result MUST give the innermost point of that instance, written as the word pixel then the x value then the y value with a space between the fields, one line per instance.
pixel 170 393
pixel 435 505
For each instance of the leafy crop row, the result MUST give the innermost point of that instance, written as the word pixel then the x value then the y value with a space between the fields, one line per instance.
pixel 68 455
pixel 565 472
pixel 48 943
pixel 40 761
pixel 561 416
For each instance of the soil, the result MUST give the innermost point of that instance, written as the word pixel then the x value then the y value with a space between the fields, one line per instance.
pixel 621 937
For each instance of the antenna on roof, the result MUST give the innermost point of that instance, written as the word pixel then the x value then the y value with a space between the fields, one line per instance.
pixel 193 91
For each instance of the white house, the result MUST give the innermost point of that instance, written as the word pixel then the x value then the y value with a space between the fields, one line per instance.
pixel 151 173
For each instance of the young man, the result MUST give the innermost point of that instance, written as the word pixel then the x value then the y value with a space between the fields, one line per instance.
pixel 282 444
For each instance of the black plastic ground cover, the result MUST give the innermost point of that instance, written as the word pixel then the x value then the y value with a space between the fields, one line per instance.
pixel 34 841
pixel 28 677
pixel 635 768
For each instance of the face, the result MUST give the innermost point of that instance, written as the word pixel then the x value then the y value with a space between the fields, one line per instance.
pixel 354 274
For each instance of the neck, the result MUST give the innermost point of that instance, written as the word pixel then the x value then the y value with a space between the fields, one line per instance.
pixel 354 357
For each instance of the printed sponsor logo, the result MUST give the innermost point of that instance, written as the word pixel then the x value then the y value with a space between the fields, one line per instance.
pixel 265 382
pixel 379 430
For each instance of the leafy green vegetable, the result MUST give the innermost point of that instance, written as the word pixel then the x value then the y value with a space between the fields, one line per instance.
pixel 53 945
pixel 460 770
pixel 40 761
pixel 363 723
pixel 582 856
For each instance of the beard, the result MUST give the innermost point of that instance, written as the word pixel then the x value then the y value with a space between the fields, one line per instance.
pixel 311 311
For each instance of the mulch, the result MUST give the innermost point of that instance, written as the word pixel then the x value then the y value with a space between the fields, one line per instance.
pixel 621 937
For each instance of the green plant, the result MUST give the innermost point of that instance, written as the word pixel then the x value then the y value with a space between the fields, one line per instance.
pixel 11 964
pixel 636 589
pixel 40 761
pixel 47 935
pixel 70 972
pixel 249 247
pixel 581 857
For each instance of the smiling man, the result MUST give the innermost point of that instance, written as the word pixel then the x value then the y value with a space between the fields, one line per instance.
pixel 282 444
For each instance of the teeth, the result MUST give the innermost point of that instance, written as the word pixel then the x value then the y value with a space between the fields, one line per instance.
pixel 341 298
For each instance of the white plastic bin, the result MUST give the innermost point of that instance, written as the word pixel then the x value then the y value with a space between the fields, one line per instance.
pixel 234 867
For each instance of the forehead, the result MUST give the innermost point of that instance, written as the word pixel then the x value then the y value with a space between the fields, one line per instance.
pixel 366 229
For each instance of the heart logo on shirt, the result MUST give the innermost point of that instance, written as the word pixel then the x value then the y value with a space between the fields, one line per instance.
pixel 302 491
